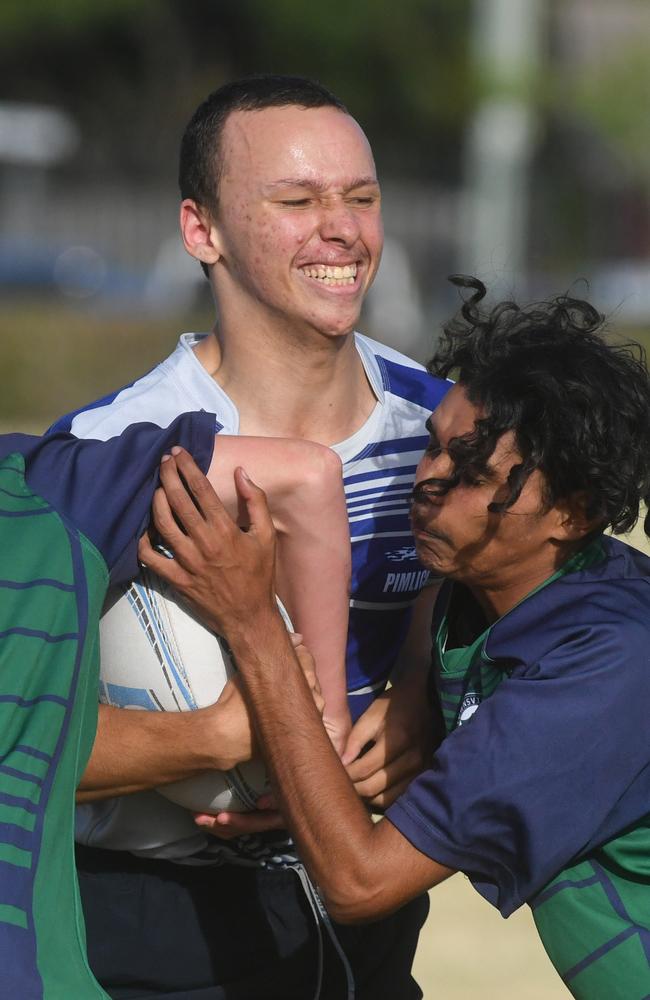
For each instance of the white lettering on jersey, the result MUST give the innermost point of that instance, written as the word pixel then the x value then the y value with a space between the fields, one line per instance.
pixel 397 583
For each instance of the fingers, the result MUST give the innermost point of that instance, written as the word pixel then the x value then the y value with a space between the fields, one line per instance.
pixel 228 825
pixel 306 661
pixel 387 797
pixel 190 496
pixel 257 507
pixel 396 773
pixel 168 569
pixel 168 527
pixel 366 729
pixel 371 762
pixel 382 760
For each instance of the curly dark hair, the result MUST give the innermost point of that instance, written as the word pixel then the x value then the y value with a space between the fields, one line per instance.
pixel 579 406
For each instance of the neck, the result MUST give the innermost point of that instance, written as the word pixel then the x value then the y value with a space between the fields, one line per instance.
pixel 286 387
pixel 497 597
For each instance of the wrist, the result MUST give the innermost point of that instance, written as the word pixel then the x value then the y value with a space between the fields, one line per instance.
pixel 253 639
pixel 207 740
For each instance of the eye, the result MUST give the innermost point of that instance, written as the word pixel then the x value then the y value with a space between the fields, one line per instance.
pixel 471 478
pixel 363 200
pixel 295 202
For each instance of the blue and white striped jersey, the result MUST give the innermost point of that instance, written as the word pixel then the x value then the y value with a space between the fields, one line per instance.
pixel 379 463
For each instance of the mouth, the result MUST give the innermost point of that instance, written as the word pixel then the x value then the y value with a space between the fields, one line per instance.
pixel 424 533
pixel 331 275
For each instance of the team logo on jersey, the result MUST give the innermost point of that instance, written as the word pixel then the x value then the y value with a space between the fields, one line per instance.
pixel 407 552
pixel 399 583
pixel 468 706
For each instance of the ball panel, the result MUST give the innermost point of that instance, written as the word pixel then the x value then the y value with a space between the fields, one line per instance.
pixel 157 656
pixel 236 790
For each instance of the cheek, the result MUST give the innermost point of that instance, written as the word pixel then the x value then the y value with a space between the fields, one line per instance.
pixel 372 234
pixel 282 240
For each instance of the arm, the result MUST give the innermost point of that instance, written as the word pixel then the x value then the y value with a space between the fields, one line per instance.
pixel 135 751
pixel 363 869
pixel 399 723
pixel 303 481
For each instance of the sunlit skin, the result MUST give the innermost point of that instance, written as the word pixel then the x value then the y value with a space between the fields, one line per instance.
pixel 298 189
pixel 500 556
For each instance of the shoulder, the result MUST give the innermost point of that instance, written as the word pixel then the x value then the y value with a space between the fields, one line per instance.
pixel 591 620
pixel 102 488
pixel 401 376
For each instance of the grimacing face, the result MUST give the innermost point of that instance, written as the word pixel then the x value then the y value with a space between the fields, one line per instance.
pixel 457 536
pixel 298 226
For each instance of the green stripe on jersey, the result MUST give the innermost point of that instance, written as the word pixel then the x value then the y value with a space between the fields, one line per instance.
pixel 594 920
pixel 52 580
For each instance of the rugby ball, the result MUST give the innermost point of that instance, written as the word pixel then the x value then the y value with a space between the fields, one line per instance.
pixel 156 655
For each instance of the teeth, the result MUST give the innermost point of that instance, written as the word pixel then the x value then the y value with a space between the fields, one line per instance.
pixel 332 275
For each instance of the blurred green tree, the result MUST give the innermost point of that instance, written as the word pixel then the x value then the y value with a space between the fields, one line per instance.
pixel 129 70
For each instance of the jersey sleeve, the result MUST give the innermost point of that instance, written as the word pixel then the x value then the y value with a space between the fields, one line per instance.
pixel 105 488
pixel 552 765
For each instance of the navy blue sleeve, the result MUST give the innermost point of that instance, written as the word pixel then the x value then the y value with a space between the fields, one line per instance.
pixel 553 764
pixel 104 488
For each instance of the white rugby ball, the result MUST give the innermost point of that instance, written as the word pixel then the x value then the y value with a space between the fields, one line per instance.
pixel 156 655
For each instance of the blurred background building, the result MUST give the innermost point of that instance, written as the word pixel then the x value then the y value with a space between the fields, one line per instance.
pixel 512 139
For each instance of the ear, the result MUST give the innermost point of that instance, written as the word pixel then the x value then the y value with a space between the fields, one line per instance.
pixel 573 523
pixel 199 232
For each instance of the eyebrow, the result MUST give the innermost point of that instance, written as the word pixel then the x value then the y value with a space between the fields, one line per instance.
pixel 488 472
pixel 314 184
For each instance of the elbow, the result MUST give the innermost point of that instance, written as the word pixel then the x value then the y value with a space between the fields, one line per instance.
pixel 355 901
pixel 321 467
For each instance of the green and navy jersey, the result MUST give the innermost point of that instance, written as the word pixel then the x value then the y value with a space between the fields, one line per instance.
pixel 541 790
pixel 71 513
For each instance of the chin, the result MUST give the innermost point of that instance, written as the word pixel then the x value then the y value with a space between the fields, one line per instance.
pixel 335 329
pixel 336 322
pixel 430 560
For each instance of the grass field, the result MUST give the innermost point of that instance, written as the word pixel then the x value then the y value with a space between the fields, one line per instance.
pixel 55 356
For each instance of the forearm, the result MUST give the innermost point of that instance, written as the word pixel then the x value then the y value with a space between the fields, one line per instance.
pixel 313 581
pixel 363 869
pixel 296 748
pixel 136 750
pixel 305 489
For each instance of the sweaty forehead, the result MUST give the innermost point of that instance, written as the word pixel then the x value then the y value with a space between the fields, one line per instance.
pixel 274 144
pixel 456 417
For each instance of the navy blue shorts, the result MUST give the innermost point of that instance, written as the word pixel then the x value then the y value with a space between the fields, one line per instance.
pixel 178 932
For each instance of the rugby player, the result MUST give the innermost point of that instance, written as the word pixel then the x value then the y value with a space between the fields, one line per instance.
pixel 540 786
pixel 71 515
pixel 281 207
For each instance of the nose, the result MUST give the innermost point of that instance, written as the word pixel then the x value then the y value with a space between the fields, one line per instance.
pixel 434 465
pixel 339 223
